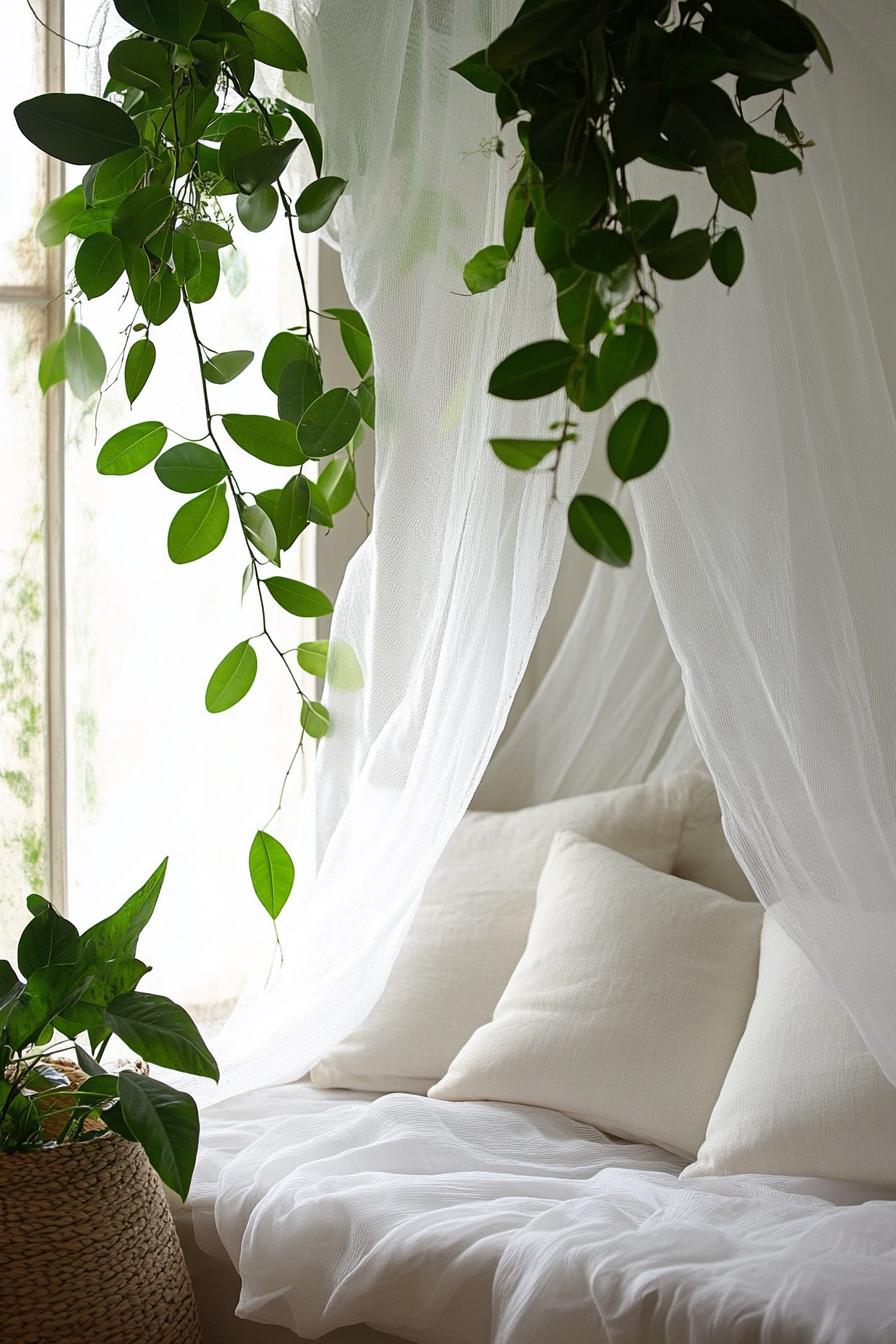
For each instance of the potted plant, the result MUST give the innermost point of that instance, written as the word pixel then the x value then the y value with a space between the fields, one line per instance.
pixel 85 1228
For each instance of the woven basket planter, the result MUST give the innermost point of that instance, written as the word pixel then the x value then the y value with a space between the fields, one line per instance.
pixel 88 1249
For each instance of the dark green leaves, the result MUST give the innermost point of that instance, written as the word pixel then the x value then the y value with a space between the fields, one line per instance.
pixel 291 515
pixel 76 127
pixel 45 940
pixel 258 211
pixel 199 526
pixel 355 337
pixel 727 257
pixel 99 263
pixel 232 678
pixel 637 440
pixel 318 201
pixel 189 468
pixel 299 599
pixel 138 366
pixel 53 225
pixel 310 132
pixel 161 297
pixel 228 365
pixel 161 1032
pixel 141 65
pixel 733 181
pixel 142 213
pixel 274 43
pixel 259 530
pixel 260 167
pixel 767 155
pixel 272 872
pixel 119 175
pixel 523 454
pixel 117 934
pixel 486 269
pixel 300 383
pixel 599 530
pixel 366 395
pixel 132 448
pixel 479 73
pixel 329 423
pixel 165 1122
pixel 282 348
pixel 625 356
pixel 337 483
pixel 533 371
pixel 682 256
pixel 267 439
pixel 172 20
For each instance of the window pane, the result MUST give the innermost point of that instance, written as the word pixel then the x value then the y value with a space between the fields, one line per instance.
pixel 23 839
pixel 22 259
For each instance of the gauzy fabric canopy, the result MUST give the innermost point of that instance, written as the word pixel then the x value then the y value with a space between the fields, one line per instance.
pixel 762 595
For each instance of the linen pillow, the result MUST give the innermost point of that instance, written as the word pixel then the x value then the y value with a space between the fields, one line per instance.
pixel 471 926
pixel 804 1095
pixel 627 1005
pixel 705 855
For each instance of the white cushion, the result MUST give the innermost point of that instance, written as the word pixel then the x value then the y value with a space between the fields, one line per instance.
pixel 705 855
pixel 804 1095
pixel 470 929
pixel 627 1005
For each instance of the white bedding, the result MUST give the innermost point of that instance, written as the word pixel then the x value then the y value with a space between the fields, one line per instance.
pixel 465 1223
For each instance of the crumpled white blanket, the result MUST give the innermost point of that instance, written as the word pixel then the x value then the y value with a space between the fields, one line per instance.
pixel 473 1222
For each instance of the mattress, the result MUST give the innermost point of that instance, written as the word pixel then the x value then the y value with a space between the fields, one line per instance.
pixel 488 1223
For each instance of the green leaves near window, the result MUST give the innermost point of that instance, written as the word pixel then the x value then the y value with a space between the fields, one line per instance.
pixel 132 448
pixel 76 127
pixel 232 678
pixel 272 872
pixel 199 526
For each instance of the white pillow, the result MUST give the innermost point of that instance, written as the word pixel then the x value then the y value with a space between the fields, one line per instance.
pixel 804 1095
pixel 627 1005
pixel 705 855
pixel 470 929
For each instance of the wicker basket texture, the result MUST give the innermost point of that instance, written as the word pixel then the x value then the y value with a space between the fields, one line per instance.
pixel 88 1249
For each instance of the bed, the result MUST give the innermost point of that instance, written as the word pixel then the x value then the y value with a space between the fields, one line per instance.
pixel 465 1223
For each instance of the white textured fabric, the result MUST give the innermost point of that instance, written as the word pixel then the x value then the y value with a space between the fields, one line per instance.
pixel 471 926
pixel 704 855
pixel 627 1005
pixel 480 1223
pixel 804 1095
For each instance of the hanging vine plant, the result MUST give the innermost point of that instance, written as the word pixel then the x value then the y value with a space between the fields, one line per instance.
pixel 179 144
pixel 593 87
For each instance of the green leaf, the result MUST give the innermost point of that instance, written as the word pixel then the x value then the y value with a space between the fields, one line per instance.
pixel 88 1064
pixel 223 368
pixel 366 395
pixel 727 257
pixel 542 31
pixel 515 212
pixel 315 718
pixel 652 222
pixel 258 211
pixel 36 905
pixel 337 483
pixel 312 657
pixel 132 448
pixel 299 599
pixel 99 263
pixel 476 70
pixel 85 363
pixel 291 515
pixel 523 454
pixel 118 176
pixel 117 977
pixel 202 286
pixel 96 219
pixel 733 181
pixel 189 468
pixel 355 337
pixel 198 527
pixel 171 20
pixel 165 1123
pixel 239 140
pixel 267 439
pixel 309 130
pixel 767 155
pixel 143 213
pixel 682 256
pixel 579 193
pixel 486 269
pixel 624 356
pixel 581 312
pixel 117 934
pixel 232 678
pixel 259 530
pixel 821 45
pixel 599 530
pixel 141 65
pixel 76 127
pixel 272 872
pixel 317 202
pixel 261 167
pixel 329 423
pixel 280 350
pixel 53 225
pixel 136 264
pixel 52 364
pixel 162 297
pixel 318 509
pixel 46 939
pixel 186 255
pixel 215 235
pixel 533 371
pixel 138 366
pixel 638 439
pixel 274 43
pixel 300 386
pixel 161 1032
pixel 600 250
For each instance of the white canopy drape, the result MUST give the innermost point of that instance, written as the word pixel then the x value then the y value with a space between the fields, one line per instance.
pixel 766 531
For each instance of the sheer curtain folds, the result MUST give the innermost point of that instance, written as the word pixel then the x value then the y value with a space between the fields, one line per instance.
pixel 441 606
